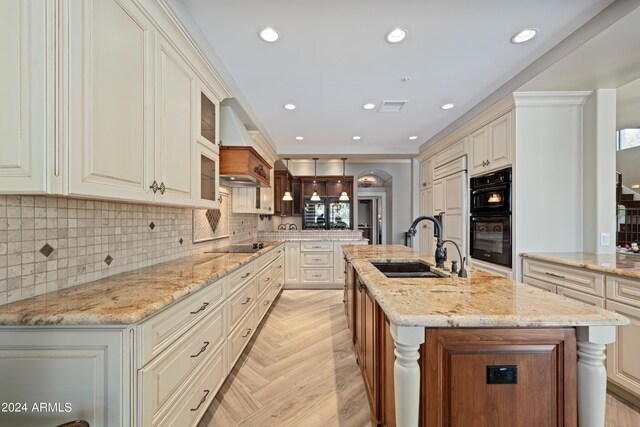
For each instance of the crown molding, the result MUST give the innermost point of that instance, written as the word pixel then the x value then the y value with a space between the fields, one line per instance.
pixel 550 98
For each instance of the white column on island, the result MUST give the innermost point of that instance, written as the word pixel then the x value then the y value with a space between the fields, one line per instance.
pixel 406 371
pixel 592 374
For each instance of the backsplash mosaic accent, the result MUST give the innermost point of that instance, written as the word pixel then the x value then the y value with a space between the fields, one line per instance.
pixel 50 243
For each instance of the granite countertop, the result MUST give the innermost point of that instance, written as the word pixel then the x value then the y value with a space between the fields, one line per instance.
pixel 621 264
pixel 481 300
pixel 127 298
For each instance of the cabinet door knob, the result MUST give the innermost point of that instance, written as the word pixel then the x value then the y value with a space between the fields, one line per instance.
pixel 162 188
pixel 484 163
pixel 488 162
pixel 154 186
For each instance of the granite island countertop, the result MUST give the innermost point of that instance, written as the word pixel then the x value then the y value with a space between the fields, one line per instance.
pixel 627 265
pixel 127 298
pixel 481 300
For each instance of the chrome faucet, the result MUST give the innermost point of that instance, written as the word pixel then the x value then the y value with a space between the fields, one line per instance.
pixel 441 253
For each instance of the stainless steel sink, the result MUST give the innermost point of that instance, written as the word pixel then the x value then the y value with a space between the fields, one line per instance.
pixel 407 269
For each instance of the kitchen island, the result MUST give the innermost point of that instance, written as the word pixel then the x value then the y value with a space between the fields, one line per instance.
pixel 484 347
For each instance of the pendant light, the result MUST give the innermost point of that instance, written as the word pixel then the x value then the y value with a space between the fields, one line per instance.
pixel 344 197
pixel 287 194
pixel 315 197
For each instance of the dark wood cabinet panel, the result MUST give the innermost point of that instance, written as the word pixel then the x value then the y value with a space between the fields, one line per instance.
pixel 455 389
pixel 282 183
pixel 370 368
pixel 358 325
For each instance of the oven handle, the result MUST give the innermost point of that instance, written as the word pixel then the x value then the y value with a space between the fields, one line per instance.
pixel 489 218
pixel 489 189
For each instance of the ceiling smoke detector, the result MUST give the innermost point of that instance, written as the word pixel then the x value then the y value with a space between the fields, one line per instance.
pixel 391 106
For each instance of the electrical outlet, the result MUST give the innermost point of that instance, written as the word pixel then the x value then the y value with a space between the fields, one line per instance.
pixel 604 239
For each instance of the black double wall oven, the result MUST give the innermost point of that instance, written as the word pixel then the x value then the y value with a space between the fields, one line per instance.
pixel 490 225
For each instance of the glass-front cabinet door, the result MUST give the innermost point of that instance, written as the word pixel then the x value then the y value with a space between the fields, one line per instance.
pixel 339 214
pixel 314 216
pixel 207 152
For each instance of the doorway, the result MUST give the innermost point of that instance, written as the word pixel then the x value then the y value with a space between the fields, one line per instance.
pixel 370 219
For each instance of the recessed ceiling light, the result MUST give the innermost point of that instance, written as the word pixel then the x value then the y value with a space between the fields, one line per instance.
pixel 369 106
pixel 396 35
pixel 413 137
pixel 524 35
pixel 269 35
pixel 289 106
pixel 299 138
pixel 447 106
pixel 356 137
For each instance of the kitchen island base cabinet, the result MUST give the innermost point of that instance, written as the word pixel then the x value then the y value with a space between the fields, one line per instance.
pixel 455 374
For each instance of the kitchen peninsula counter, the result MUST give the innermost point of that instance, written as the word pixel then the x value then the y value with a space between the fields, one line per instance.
pixel 432 341
pixel 127 298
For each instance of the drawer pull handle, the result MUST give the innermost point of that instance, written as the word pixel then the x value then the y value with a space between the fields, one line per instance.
pixel 246 275
pixel 246 301
pixel 317 247
pixel 204 347
pixel 266 303
pixel 206 393
pixel 344 301
pixel 204 305
pixel 267 279
pixel 247 334
pixel 554 275
pixel 280 266
pixel 317 259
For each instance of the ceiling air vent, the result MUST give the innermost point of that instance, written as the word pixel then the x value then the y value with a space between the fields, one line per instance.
pixel 391 106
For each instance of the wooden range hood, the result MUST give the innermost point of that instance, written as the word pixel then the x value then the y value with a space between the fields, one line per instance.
pixel 245 166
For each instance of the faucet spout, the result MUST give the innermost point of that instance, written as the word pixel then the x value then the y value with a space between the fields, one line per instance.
pixel 441 253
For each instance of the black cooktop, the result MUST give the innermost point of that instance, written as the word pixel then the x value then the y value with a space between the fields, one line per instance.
pixel 238 249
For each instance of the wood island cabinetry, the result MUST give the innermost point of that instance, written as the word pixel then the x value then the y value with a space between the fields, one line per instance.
pixel 454 363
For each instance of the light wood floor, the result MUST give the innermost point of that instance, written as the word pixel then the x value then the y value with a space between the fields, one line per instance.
pixel 299 370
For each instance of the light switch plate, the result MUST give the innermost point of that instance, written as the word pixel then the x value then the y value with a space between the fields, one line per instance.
pixel 604 239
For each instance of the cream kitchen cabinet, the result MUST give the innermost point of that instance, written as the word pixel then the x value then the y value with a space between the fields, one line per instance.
pixel 426 173
pixel 256 200
pixel 163 371
pixel 291 263
pixel 110 94
pixel 117 117
pixel 27 152
pixel 87 368
pixel 425 233
pixel 490 147
pixel 623 357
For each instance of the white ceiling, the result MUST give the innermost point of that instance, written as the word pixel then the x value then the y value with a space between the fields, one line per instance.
pixel 332 58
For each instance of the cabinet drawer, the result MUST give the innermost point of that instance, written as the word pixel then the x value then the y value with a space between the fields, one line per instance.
pixel 242 302
pixel 317 275
pixel 241 276
pixel 581 296
pixel 264 260
pixel 624 290
pixel 160 379
pixel 265 277
pixel 195 397
pixel 317 259
pixel 574 278
pixel 316 246
pixel 278 264
pixel 264 302
pixel 239 338
pixel 545 286
pixel 158 332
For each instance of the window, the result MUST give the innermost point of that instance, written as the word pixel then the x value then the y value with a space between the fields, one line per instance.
pixel 627 138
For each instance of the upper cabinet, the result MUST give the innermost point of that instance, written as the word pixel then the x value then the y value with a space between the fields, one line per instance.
pixel 110 95
pixel 26 41
pixel 426 173
pixel 176 94
pixel 127 114
pixel 490 146
pixel 281 184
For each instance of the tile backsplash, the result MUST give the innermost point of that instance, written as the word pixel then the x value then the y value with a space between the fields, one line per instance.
pixel 50 243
